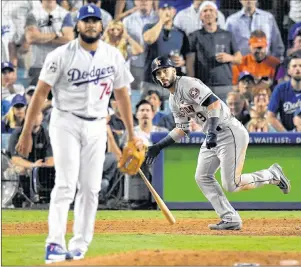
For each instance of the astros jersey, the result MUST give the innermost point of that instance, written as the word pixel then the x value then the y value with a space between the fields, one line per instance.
pixel 81 82
pixel 187 101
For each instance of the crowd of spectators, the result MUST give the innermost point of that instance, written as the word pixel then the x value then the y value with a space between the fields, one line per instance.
pixel 240 54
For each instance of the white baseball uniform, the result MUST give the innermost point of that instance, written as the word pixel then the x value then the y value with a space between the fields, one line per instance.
pixel 229 154
pixel 81 86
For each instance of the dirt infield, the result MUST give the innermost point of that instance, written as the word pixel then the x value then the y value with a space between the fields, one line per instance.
pixel 188 258
pixel 253 227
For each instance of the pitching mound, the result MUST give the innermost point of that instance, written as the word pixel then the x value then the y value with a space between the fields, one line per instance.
pixel 185 258
pixel 251 227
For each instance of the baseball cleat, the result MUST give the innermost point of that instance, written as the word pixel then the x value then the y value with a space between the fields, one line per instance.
pixel 76 254
pixel 222 225
pixel 55 253
pixel 284 183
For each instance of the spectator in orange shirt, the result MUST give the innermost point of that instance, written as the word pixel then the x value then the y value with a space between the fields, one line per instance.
pixel 258 63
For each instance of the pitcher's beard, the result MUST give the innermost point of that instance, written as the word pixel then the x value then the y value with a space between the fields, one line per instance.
pixel 90 40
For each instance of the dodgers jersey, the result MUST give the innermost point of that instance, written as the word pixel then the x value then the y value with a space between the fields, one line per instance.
pixel 82 83
pixel 186 102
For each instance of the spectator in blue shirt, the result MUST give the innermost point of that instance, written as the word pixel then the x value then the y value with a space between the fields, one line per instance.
pixel 249 19
pixel 292 33
pixel 297 121
pixel 286 97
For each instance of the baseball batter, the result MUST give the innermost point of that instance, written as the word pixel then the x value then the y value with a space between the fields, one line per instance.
pixel 224 147
pixel 82 75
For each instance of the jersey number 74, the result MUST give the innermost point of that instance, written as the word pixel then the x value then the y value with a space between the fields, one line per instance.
pixel 105 89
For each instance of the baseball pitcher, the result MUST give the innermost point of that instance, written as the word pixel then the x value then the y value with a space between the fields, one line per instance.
pixel 82 75
pixel 225 145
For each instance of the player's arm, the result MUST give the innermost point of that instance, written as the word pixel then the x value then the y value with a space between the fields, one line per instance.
pixel 48 77
pixel 124 104
pixel 213 105
pixel 214 111
pixel 174 136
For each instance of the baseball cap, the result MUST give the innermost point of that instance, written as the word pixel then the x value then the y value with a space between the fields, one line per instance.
pixel 88 11
pixel 7 65
pixel 17 100
pixel 297 112
pixel 207 3
pixel 30 89
pixel 165 4
pixel 258 42
pixel 245 74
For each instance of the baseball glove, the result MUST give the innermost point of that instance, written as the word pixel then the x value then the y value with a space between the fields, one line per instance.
pixel 131 158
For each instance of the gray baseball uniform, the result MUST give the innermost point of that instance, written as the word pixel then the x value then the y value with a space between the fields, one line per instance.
pixel 229 154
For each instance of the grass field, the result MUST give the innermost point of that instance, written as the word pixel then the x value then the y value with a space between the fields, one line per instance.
pixel 28 249
pixel 180 165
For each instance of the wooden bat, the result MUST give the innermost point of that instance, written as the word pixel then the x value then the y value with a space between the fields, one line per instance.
pixel 168 215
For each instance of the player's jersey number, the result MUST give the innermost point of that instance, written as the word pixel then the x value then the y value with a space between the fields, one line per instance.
pixel 105 89
pixel 201 116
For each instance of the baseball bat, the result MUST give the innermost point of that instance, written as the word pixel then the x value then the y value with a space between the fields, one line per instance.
pixel 168 215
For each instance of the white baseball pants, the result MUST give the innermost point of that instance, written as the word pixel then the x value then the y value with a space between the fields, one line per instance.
pixel 79 151
pixel 229 155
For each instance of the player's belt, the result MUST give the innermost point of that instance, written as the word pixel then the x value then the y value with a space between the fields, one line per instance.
pixel 86 118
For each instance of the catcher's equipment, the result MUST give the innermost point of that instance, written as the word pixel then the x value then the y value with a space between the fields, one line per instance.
pixel 131 159
pixel 159 63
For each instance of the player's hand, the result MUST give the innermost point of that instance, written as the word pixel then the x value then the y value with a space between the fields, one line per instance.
pixel 223 57
pixel 138 143
pixel 211 140
pixel 152 153
pixel 24 145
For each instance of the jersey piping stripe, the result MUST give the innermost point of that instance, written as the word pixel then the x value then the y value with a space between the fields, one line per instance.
pixel 239 183
pixel 236 184
pixel 90 81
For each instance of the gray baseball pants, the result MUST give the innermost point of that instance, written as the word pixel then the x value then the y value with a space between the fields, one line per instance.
pixel 229 155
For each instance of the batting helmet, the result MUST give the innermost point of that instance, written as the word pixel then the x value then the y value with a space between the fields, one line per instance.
pixel 159 63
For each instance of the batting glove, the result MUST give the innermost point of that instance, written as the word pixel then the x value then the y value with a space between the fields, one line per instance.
pixel 152 153
pixel 211 140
